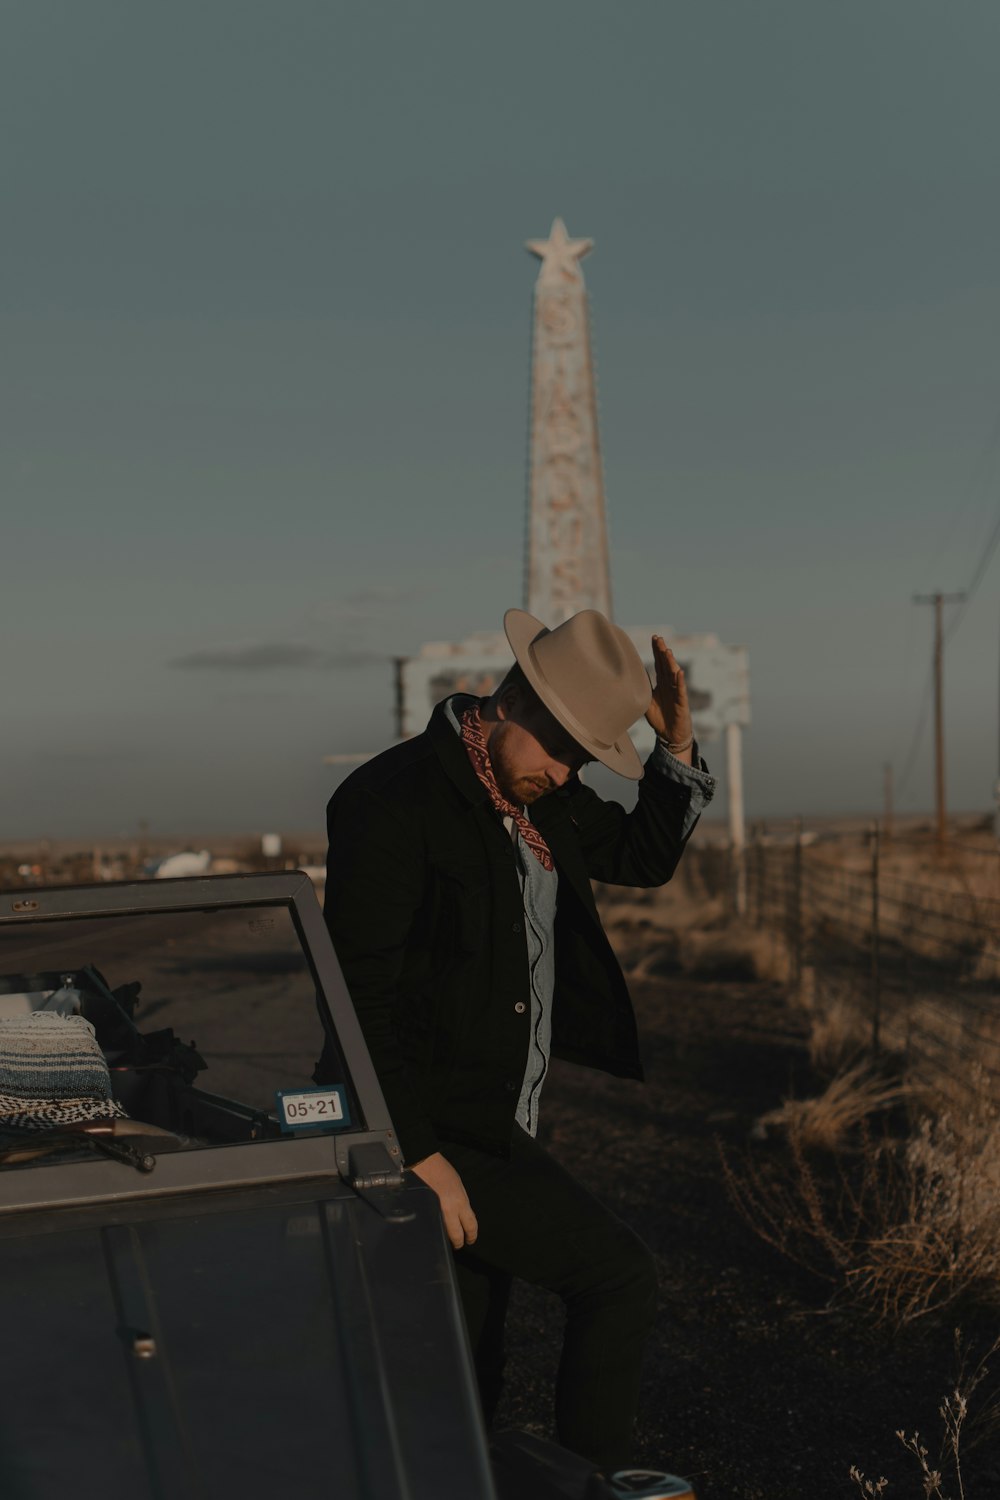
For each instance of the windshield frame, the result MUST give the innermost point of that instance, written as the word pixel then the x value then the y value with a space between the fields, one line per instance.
pixel 236 1164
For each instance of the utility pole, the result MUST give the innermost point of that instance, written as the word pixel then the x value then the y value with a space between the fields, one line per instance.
pixel 939 600
pixel 996 790
pixel 887 802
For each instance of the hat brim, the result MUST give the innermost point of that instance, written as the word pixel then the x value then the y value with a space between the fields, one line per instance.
pixel 522 631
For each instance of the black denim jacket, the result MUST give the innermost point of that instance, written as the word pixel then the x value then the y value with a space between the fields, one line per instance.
pixel 424 909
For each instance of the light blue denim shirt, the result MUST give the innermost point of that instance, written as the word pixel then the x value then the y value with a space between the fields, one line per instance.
pixel 539 888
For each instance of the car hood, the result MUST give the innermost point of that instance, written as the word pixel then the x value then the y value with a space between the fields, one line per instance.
pixel 262 1343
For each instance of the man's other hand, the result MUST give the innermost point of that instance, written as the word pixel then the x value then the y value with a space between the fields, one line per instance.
pixel 459 1220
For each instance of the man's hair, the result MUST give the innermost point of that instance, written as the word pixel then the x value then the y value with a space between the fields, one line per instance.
pixel 531 704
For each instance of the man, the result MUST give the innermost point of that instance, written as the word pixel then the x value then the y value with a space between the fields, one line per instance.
pixel 459 902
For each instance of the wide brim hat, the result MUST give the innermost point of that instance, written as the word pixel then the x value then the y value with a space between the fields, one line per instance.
pixel 590 677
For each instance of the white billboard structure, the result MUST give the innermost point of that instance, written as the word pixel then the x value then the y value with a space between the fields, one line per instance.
pixel 717 676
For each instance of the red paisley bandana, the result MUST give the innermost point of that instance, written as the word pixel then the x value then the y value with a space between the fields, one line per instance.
pixel 474 741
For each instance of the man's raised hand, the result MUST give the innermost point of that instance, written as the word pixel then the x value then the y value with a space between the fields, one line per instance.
pixel 669 714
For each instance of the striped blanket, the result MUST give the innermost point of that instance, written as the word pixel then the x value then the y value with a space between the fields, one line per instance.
pixel 52 1072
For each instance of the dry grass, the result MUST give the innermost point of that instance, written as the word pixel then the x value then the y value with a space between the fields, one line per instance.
pixel 735 951
pixel 905 1228
pixel 902 1230
pixel 824 1123
pixel 987 966
pixel 932 977
pixel 839 1036
pixel 951 1044
pixel 723 952
pixel 970 867
pixel 959 1432
pixel 678 930
pixel 945 1242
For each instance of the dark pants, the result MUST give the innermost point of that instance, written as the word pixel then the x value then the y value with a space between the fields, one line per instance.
pixel 536 1222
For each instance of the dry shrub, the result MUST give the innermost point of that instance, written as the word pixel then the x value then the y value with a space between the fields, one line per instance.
pixel 772 956
pixel 663 909
pixel 734 952
pixel 838 1036
pixel 718 955
pixel 650 959
pixel 823 1123
pixel 646 928
pixel 901 1229
pixel 945 1242
pixel 960 1433
pixel 634 914
pixel 987 966
pixel 814 1220
pixel 725 950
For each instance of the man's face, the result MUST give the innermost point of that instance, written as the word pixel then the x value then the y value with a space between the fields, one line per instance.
pixel 531 753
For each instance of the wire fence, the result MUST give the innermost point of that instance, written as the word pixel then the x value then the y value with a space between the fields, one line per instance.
pixel 892 939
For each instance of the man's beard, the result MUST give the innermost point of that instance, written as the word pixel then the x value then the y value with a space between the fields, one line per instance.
pixel 521 790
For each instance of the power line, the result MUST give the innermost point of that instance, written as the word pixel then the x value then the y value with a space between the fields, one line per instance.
pixel 981 569
pixel 965 599
pixel 917 734
pixel 979 479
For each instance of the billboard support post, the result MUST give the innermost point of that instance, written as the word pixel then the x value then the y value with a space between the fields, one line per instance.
pixel 737 821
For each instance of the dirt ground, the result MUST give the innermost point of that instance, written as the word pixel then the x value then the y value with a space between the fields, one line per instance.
pixel 754 1389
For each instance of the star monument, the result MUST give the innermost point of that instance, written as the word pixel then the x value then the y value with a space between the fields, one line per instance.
pixel 567 565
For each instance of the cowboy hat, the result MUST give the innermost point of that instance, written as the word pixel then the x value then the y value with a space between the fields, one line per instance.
pixel 590 677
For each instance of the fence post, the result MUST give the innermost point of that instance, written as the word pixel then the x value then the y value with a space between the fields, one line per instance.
pixel 758 876
pixel 796 923
pixel 738 879
pixel 876 979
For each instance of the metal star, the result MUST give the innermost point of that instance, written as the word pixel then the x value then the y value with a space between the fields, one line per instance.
pixel 560 256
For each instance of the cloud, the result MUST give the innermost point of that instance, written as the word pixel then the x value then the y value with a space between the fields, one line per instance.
pixel 363 606
pixel 379 593
pixel 275 656
pixel 113 754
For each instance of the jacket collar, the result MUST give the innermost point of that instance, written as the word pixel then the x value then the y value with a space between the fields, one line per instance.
pixel 451 753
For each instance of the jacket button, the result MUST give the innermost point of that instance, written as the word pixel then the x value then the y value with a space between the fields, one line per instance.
pixel 515 927
pixel 510 1085
pixel 520 1007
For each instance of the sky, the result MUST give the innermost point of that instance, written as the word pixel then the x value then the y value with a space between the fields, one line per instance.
pixel 264 340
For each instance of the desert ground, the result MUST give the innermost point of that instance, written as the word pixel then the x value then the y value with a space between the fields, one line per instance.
pixel 758 1387
pixel 763 1381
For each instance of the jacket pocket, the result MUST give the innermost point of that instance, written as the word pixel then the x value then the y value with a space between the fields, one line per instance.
pixel 463 889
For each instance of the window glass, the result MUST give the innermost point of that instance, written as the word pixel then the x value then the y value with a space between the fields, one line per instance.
pixel 199 1020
